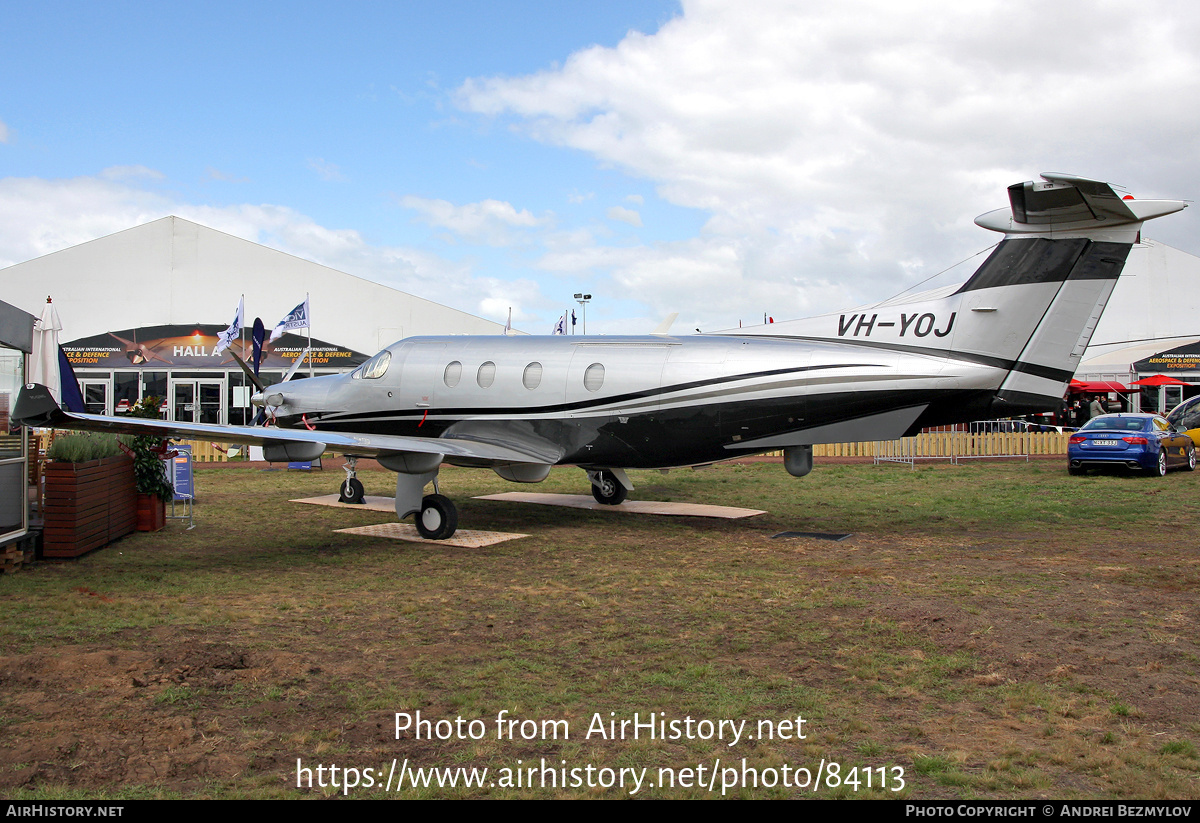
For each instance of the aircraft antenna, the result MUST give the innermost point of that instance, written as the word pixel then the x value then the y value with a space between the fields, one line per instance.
pixel 939 274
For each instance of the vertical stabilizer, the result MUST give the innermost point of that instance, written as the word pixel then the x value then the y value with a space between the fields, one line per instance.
pixel 1029 311
pixel 1073 236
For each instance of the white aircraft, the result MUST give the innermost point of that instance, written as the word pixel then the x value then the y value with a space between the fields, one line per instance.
pixel 1004 343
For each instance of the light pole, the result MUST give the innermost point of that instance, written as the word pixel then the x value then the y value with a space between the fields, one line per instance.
pixel 583 301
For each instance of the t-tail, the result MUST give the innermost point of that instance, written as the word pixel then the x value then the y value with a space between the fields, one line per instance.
pixel 1027 313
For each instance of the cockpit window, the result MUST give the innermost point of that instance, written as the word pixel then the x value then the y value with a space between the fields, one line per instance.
pixel 374 368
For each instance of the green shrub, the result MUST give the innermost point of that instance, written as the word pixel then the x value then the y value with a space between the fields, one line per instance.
pixel 79 447
pixel 149 473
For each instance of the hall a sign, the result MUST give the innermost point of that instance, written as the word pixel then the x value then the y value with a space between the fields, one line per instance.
pixel 159 348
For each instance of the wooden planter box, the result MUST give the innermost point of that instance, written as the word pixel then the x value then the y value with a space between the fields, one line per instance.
pixel 151 513
pixel 88 505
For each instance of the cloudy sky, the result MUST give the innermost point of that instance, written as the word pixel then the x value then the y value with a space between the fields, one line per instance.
pixel 719 159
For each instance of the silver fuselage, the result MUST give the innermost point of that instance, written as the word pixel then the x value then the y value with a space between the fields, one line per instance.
pixel 640 402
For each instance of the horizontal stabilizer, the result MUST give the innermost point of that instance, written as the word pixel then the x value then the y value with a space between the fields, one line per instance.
pixel 1064 202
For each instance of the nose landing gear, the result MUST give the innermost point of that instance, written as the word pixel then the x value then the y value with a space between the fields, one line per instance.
pixel 351 490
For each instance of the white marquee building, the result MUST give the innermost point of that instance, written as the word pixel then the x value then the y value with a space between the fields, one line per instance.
pixel 148 287
pixel 174 271
pixel 1154 308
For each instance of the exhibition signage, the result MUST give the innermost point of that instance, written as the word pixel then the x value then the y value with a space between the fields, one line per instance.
pixel 159 348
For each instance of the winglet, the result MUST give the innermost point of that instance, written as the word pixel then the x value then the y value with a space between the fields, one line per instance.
pixel 35 406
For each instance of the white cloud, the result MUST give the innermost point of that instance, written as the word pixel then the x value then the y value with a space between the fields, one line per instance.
pixel 131 173
pixel 713 282
pixel 624 215
pixel 40 216
pixel 836 153
pixel 225 177
pixel 519 295
pixel 831 141
pixel 488 221
pixel 329 172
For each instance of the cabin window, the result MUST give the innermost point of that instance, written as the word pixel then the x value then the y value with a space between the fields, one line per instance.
pixel 486 375
pixel 453 374
pixel 533 376
pixel 593 378
pixel 374 368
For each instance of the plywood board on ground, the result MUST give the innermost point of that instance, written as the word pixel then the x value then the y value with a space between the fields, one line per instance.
pixel 463 538
pixel 370 504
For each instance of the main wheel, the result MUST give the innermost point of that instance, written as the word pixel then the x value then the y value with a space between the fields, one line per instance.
pixel 438 518
pixel 1161 469
pixel 351 491
pixel 1191 459
pixel 1076 470
pixel 609 490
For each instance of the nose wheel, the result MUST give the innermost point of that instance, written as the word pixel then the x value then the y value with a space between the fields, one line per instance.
pixel 351 490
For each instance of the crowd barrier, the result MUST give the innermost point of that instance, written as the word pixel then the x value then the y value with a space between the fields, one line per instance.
pixel 956 446
pixel 204 451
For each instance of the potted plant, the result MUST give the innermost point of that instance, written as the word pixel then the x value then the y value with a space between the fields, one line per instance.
pixel 90 498
pixel 153 486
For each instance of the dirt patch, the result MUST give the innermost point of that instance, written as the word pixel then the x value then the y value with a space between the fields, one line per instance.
pixel 104 717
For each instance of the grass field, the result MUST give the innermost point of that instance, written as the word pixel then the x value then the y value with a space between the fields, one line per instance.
pixel 989 630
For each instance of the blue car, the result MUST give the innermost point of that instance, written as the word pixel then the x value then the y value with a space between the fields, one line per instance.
pixel 1146 442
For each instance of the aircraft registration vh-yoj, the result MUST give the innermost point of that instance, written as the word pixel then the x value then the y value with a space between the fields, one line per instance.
pixel 1004 343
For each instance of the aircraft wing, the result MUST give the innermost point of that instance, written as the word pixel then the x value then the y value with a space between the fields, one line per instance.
pixel 36 407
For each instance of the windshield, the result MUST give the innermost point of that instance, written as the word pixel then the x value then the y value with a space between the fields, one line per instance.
pixel 374 368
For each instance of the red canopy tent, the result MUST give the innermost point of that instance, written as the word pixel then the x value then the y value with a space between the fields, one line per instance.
pixel 1097 386
pixel 1159 380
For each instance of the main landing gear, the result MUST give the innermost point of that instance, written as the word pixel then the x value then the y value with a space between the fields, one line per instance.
pixel 436 515
pixel 438 518
pixel 609 486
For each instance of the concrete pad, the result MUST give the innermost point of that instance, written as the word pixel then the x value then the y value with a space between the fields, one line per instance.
pixel 586 501
pixel 370 504
pixel 462 539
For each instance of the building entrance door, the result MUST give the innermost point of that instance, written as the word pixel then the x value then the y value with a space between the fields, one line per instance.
pixel 95 396
pixel 198 401
pixel 1172 397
